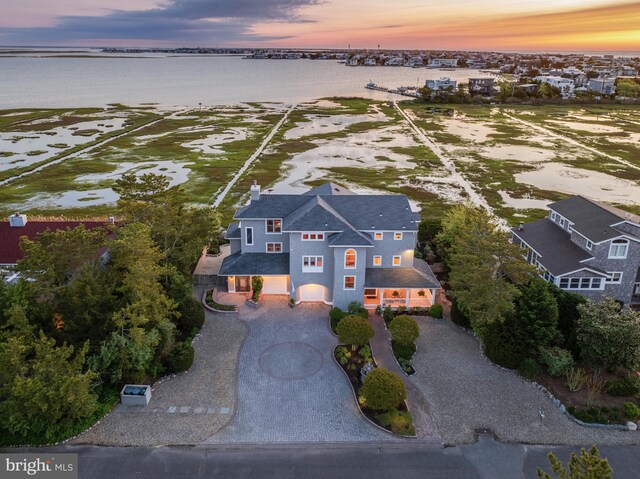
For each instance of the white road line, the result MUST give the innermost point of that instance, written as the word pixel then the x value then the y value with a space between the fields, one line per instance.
pixel 571 141
pixel 252 158
pixel 474 196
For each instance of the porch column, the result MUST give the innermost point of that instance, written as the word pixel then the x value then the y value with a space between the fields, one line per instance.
pixel 406 303
pixel 433 296
pixel 381 298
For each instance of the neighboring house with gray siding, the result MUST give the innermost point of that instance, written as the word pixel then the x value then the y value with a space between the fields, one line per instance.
pixel 332 245
pixel 586 247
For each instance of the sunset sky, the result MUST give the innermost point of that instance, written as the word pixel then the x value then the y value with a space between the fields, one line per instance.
pixel 546 25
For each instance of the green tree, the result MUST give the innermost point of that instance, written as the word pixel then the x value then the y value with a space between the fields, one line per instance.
pixel 383 389
pixel 589 465
pixel 485 267
pixel 48 390
pixel 536 316
pixel 354 330
pixel 257 282
pixel 628 88
pixel 608 335
pixel 404 329
pixel 568 315
pixel 179 230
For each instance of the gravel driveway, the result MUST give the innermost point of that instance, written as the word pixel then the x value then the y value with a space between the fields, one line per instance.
pixel 467 392
pixel 289 388
pixel 187 408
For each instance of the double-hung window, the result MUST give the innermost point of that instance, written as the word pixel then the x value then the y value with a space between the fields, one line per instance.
pixel 349 282
pixel 377 260
pixel 350 259
pixel 312 236
pixel 397 261
pixel 274 247
pixel 312 264
pixel 616 277
pixel 248 236
pixel 397 235
pixel 274 226
pixel 378 235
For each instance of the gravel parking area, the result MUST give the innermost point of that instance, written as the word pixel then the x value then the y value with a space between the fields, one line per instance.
pixel 289 388
pixel 188 408
pixel 467 392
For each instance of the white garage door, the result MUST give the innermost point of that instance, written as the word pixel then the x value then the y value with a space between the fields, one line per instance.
pixel 311 292
pixel 275 285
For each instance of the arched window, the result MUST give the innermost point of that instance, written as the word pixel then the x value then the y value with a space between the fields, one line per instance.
pixel 350 259
pixel 618 248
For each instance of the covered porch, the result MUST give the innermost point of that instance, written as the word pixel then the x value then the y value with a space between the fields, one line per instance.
pixel 395 297
pixel 410 287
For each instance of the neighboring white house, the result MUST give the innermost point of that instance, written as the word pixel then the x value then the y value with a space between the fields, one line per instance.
pixel 443 62
pixel 565 85
pixel 441 84
pixel 604 86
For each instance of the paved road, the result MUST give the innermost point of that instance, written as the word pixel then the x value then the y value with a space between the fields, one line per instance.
pixel 485 459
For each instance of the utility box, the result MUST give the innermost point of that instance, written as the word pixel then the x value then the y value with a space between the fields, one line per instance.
pixel 135 395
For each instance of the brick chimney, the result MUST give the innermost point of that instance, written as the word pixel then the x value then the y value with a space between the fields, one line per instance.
pixel 255 191
pixel 17 220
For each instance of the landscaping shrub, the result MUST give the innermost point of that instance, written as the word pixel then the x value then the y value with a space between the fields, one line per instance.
pixel 557 360
pixel 501 346
pixel 529 368
pixel 383 390
pixel 459 317
pixel 181 357
pixel 388 315
pixel 568 315
pixel 354 330
pixel 365 352
pixel 631 411
pixel 357 309
pixel 256 285
pixel 400 422
pixel 404 329
pixel 576 378
pixel 336 314
pixel 400 310
pixel 403 350
pixel 627 386
pixel 594 415
pixel 436 311
pixel 191 316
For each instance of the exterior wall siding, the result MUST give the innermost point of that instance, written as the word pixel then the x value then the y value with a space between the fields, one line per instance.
pixel 261 238
pixel 628 266
pixel 298 249
pixel 342 298
pixel 388 248
pixel 235 246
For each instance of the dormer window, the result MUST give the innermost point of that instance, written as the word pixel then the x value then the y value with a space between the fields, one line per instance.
pixel 274 226
pixel 618 249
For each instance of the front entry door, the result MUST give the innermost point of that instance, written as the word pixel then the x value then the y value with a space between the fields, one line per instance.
pixel 243 284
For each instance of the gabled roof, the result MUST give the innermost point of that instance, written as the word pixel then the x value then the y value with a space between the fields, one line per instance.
pixel 315 215
pixel 10 252
pixel 592 220
pixel 329 189
pixel 350 237
pixel 233 232
pixel 255 264
pixel 360 212
pixel 557 252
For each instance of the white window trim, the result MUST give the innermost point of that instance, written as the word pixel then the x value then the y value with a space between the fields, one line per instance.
pixel 266 228
pixel 579 287
pixel 381 233
pixel 374 260
pixel 313 269
pixel 394 260
pixel 612 281
pixel 312 233
pixel 344 281
pixel 624 243
pixel 397 233
pixel 355 262
pixel 246 236
pixel 266 247
pixel 589 245
pixel 553 216
pixel 561 222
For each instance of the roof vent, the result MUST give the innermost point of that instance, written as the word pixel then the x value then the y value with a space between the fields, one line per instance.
pixel 380 214
pixel 17 220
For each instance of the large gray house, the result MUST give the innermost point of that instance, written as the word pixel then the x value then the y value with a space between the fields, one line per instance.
pixel 332 245
pixel 586 247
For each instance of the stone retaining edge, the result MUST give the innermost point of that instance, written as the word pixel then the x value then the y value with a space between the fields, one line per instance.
pixel 204 303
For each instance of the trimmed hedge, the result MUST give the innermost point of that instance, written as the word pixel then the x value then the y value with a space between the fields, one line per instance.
pixel 383 390
pixel 436 311
pixel 403 350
